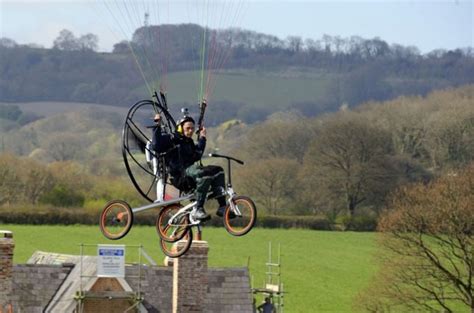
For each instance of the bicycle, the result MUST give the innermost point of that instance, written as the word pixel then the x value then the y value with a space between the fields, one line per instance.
pixel 175 222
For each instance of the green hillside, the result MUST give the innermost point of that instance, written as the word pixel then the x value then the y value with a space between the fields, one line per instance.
pixel 49 108
pixel 272 90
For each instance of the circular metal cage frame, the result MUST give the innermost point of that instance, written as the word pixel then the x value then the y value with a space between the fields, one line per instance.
pixel 136 134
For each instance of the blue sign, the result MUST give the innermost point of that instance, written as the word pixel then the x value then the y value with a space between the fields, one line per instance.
pixel 116 252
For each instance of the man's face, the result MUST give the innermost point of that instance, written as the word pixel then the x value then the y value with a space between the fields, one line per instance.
pixel 188 129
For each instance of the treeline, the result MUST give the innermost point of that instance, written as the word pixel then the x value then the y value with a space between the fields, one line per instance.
pixel 335 169
pixel 359 69
pixel 344 165
pixel 89 134
pixel 249 49
pixel 27 182
pixel 33 74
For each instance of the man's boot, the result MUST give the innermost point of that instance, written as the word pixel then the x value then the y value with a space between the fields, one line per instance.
pixel 200 214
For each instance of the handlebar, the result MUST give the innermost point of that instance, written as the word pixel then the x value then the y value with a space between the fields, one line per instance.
pixel 215 155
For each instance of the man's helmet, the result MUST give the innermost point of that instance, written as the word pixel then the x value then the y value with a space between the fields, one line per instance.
pixel 186 118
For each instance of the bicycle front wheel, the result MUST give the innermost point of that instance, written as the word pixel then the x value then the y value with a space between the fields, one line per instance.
pixel 116 219
pixel 172 227
pixel 179 248
pixel 240 221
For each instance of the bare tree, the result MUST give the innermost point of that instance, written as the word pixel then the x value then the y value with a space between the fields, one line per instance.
pixel 63 147
pixel 36 181
pixel 348 162
pixel 271 182
pixel 281 136
pixel 427 242
pixel 450 139
pixel 294 43
pixel 9 181
pixel 23 180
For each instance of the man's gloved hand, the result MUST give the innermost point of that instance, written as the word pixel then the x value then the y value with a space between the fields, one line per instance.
pixel 203 132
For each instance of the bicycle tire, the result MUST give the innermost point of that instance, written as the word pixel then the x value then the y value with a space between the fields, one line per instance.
pixel 241 225
pixel 116 215
pixel 169 249
pixel 178 229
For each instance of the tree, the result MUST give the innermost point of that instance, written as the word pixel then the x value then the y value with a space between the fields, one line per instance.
pixel 36 181
pixel 271 182
pixel 281 136
pixel 427 245
pixel 7 42
pixel 450 137
pixel 88 42
pixel 294 43
pixel 64 147
pixel 349 163
pixel 10 112
pixel 23 180
pixel 85 92
pixel 10 180
pixel 66 41
pixel 121 47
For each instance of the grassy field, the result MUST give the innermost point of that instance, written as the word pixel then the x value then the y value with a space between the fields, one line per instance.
pixel 321 271
pixel 257 89
pixel 272 90
pixel 50 108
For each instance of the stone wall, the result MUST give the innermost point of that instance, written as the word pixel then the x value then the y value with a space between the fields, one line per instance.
pixel 156 286
pixel 34 285
pixel 229 291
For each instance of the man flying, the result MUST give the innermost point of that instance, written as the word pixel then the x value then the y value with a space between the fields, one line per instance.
pixel 183 158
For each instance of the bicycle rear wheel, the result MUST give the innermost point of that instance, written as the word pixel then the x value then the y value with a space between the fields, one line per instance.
pixel 172 231
pixel 116 219
pixel 178 248
pixel 241 221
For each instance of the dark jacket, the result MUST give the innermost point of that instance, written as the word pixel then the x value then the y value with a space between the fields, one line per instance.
pixel 181 151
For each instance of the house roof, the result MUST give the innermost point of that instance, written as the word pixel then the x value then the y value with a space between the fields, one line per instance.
pixel 57 277
pixel 34 285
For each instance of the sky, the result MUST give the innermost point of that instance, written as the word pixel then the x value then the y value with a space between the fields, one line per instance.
pixel 428 25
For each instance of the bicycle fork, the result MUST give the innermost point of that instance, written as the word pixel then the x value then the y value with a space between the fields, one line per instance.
pixel 232 205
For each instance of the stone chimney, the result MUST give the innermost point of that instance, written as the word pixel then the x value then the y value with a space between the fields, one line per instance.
pixel 190 279
pixel 6 268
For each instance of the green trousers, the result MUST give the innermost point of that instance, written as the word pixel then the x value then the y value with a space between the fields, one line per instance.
pixel 207 178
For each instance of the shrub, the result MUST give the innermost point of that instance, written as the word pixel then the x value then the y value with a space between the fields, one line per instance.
pixel 362 223
pixel 62 196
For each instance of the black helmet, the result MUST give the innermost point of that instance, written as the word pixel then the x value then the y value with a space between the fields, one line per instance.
pixel 185 119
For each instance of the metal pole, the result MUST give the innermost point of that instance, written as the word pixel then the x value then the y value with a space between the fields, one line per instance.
pixel 82 255
pixel 229 184
pixel 270 262
pixel 140 270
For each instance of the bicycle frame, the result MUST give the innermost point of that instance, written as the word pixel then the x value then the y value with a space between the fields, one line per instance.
pixel 188 209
